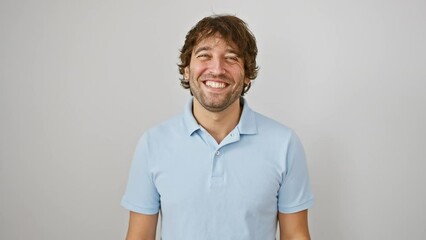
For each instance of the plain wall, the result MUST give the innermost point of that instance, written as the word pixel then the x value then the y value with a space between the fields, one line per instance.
pixel 80 81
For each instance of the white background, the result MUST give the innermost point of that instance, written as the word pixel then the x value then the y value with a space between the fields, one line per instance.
pixel 82 80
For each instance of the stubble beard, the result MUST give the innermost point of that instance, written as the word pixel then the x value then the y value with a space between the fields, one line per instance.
pixel 210 101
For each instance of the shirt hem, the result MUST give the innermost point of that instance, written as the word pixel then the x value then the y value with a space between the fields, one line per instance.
pixel 297 208
pixel 134 208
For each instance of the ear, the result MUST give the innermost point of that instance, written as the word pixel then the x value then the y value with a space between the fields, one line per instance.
pixel 186 73
pixel 247 81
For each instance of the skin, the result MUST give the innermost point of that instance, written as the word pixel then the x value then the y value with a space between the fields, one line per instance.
pixel 294 226
pixel 216 76
pixel 215 63
pixel 142 226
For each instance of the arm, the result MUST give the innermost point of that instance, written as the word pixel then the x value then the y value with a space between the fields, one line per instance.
pixel 142 226
pixel 294 226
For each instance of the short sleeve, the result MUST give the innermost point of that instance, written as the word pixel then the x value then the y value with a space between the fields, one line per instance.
pixel 295 193
pixel 141 194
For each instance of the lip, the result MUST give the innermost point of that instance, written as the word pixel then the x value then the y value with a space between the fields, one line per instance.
pixel 215 78
pixel 212 88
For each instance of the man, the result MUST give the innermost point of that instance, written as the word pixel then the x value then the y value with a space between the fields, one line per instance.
pixel 220 170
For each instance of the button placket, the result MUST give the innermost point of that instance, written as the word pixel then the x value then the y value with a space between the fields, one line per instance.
pixel 217 168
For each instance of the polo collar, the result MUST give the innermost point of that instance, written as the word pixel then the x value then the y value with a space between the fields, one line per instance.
pixel 188 118
pixel 246 125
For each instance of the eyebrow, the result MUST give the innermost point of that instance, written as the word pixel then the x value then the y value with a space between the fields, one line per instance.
pixel 207 48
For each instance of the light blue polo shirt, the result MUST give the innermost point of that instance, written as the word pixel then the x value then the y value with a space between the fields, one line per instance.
pixel 209 191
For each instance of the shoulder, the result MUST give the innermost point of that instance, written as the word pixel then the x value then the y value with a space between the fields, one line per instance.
pixel 276 133
pixel 272 127
pixel 170 125
pixel 165 130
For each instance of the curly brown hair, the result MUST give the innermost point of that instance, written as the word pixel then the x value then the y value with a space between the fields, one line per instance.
pixel 232 29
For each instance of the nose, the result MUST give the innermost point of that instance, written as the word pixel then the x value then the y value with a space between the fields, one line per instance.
pixel 217 66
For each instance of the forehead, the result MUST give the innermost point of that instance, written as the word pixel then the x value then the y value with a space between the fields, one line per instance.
pixel 215 41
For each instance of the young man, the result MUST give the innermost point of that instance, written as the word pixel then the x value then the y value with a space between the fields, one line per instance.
pixel 220 170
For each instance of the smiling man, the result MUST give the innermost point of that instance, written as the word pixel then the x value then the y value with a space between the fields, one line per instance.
pixel 219 171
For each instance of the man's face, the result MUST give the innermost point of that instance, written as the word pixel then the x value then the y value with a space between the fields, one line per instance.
pixel 216 73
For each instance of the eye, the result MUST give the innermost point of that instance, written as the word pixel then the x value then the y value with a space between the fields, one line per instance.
pixel 232 58
pixel 203 56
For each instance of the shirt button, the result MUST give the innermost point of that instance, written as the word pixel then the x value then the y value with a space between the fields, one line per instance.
pixel 217 153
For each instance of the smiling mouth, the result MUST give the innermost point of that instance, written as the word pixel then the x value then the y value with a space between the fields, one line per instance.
pixel 214 84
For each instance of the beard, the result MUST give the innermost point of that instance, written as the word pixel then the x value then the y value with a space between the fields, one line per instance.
pixel 216 102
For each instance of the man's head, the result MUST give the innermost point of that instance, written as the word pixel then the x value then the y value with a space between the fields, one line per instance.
pixel 232 30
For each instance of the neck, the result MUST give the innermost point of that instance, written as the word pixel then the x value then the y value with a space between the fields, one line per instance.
pixel 218 124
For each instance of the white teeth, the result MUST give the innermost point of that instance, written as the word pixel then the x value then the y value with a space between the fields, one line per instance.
pixel 215 84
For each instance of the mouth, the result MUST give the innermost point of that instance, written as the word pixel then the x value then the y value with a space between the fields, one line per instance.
pixel 215 84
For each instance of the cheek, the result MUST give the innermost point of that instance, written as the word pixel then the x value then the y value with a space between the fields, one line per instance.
pixel 198 71
pixel 194 70
pixel 239 75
